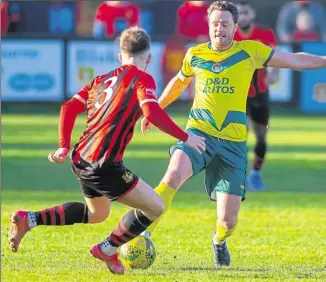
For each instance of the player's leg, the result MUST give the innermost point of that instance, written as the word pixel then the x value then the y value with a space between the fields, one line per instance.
pixel 225 179
pixel 119 183
pixel 147 206
pixel 259 121
pixel 178 172
pixel 95 210
pixel 228 206
pixel 184 163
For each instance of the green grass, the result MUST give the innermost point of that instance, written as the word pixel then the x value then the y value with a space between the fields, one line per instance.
pixel 281 233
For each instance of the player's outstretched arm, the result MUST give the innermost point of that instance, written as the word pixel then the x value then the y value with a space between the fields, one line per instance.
pixel 297 61
pixel 68 115
pixel 174 89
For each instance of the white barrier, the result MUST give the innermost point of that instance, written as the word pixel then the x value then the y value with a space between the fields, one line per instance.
pixel 32 70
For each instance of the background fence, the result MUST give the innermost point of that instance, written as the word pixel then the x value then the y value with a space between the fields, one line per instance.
pixel 54 69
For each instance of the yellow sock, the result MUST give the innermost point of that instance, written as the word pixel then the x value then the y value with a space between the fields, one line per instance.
pixel 222 232
pixel 167 193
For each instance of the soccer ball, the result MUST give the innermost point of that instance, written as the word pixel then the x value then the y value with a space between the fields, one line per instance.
pixel 139 253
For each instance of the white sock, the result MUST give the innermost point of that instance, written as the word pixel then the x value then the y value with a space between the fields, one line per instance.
pixel 107 248
pixel 31 219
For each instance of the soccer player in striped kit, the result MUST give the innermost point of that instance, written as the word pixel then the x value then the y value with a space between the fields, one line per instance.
pixel 113 102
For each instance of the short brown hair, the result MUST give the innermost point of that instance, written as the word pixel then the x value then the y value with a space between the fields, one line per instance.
pixel 224 6
pixel 134 40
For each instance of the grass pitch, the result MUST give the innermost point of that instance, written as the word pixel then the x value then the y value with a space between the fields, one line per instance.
pixel 281 233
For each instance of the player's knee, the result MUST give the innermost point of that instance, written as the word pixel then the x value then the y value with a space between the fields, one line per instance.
pixel 173 178
pixel 228 221
pixel 160 208
pixel 97 216
pixel 155 210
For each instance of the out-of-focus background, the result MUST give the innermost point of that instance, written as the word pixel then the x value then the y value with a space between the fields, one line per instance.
pixel 50 49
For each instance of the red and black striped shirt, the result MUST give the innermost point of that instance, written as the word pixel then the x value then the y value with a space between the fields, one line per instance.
pixel 113 107
pixel 114 102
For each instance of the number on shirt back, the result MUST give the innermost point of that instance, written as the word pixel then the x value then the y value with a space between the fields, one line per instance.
pixel 108 92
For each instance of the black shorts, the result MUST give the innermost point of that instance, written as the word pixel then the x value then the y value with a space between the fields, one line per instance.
pixel 258 109
pixel 112 181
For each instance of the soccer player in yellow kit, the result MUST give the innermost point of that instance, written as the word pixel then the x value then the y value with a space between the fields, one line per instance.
pixel 223 69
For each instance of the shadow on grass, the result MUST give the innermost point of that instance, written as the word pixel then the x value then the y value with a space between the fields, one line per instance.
pixel 164 147
pixel 36 173
pixel 177 107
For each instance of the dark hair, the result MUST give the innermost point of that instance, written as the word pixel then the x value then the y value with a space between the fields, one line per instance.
pixel 134 40
pixel 224 6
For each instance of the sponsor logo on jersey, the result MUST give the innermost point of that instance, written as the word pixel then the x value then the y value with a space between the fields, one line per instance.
pixel 218 86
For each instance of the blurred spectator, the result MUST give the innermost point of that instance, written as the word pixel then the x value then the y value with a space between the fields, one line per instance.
pixel 249 30
pixel 305 28
pixel 286 23
pixel 174 51
pixel 10 17
pixel 61 17
pixel 112 17
pixel 4 18
pixel 192 21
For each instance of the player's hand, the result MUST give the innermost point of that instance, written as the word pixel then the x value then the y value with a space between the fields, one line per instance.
pixel 59 156
pixel 145 126
pixel 196 142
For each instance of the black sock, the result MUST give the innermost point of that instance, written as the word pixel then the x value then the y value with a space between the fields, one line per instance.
pixel 130 226
pixel 65 214
pixel 260 152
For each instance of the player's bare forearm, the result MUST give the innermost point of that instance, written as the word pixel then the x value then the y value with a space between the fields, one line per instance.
pixel 297 61
pixel 307 61
pixel 173 90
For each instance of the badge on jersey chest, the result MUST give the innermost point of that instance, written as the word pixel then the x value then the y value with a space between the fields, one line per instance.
pixel 217 68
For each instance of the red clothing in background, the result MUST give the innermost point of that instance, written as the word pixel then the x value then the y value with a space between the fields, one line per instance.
pixel 192 20
pixel 305 36
pixel 259 33
pixel 108 14
pixel 4 18
pixel 268 37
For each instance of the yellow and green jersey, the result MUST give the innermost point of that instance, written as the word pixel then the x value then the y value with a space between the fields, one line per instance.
pixel 222 83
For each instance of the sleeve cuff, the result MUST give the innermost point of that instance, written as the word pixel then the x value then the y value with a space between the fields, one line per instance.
pixel 185 75
pixel 269 58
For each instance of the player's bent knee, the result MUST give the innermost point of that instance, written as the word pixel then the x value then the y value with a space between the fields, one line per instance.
pixel 160 208
pixel 155 210
pixel 179 170
pixel 173 178
pixel 228 222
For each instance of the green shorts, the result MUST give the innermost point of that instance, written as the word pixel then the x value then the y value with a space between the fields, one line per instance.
pixel 224 162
